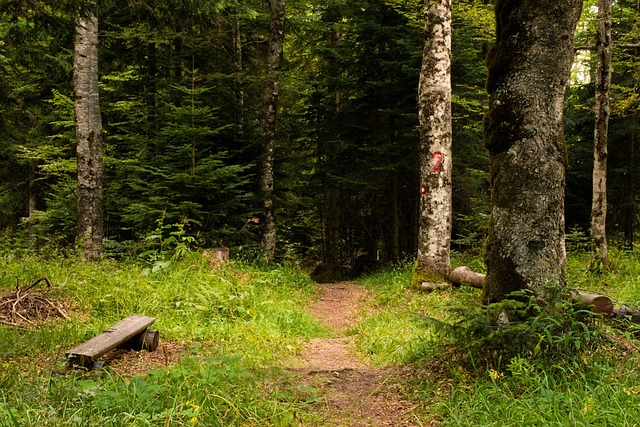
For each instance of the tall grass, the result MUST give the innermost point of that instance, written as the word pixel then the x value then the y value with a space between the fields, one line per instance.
pixel 593 380
pixel 239 325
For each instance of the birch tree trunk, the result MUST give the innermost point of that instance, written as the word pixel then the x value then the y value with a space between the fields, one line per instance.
pixel 529 69
pixel 268 124
pixel 600 149
pixel 88 132
pixel 434 112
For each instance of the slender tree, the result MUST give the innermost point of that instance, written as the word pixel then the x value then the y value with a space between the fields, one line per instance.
pixel 528 72
pixel 600 149
pixel 434 112
pixel 238 69
pixel 88 131
pixel 268 124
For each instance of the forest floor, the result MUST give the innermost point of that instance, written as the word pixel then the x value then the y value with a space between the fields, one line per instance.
pixel 352 392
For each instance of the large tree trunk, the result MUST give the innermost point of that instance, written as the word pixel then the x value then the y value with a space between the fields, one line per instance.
pixel 88 132
pixel 528 72
pixel 268 124
pixel 434 112
pixel 603 86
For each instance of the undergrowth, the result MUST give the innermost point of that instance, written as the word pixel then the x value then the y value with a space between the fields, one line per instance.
pixel 239 324
pixel 532 360
pixel 535 360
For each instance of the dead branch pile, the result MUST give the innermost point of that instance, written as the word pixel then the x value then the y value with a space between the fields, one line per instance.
pixel 28 306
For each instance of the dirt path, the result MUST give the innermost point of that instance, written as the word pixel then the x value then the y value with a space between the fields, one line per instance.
pixel 354 394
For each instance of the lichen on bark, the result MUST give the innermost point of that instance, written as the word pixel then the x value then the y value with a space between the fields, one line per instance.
pixel 88 133
pixel 434 112
pixel 528 72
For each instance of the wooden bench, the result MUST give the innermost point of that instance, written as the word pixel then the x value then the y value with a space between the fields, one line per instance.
pixel 130 333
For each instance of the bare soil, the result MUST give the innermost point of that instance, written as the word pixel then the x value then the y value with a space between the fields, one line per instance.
pixel 353 393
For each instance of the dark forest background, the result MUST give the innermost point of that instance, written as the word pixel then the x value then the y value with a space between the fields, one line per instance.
pixel 180 85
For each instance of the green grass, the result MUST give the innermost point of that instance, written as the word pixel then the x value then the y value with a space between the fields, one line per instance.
pixel 240 325
pixel 596 385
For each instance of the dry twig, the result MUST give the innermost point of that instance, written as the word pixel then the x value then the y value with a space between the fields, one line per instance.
pixel 27 306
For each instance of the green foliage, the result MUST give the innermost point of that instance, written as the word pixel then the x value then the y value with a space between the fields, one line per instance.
pixel 238 325
pixel 579 393
pixel 547 326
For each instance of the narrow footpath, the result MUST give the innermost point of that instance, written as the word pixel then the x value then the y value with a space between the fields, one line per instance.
pixel 354 394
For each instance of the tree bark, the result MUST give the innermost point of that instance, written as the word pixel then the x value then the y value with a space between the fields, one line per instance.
pixel 529 68
pixel 600 150
pixel 465 276
pixel 88 132
pixel 631 197
pixel 268 124
pixel 332 256
pixel 434 112
pixel 238 68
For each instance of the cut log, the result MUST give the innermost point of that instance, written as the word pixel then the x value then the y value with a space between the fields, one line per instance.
pixel 597 303
pixel 624 312
pixel 123 331
pixel 465 276
pixel 147 340
pixel 430 287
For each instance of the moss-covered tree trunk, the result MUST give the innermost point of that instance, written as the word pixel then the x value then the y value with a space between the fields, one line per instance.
pixel 88 132
pixel 528 73
pixel 600 149
pixel 268 124
pixel 434 112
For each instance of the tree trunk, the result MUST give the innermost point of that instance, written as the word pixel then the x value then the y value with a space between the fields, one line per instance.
pixel 528 73
pixel 332 256
pixel 394 244
pixel 603 86
pixel 237 76
pixel 434 112
pixel 631 197
pixel 268 124
pixel 88 132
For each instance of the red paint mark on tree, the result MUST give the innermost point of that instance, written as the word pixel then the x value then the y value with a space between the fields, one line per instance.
pixel 440 158
pixel 423 189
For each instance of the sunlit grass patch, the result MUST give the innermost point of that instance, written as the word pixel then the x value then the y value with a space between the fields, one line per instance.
pixel 239 325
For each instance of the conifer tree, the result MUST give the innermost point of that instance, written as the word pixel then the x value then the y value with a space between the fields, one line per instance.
pixel 268 124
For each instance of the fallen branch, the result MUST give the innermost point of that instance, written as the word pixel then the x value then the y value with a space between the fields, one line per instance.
pixel 597 303
pixel 465 276
pixel 28 306
pixel 430 287
pixel 624 312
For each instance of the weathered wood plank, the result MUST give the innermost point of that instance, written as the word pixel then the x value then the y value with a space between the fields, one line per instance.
pixel 110 338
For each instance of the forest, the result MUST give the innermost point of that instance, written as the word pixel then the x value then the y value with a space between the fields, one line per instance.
pixel 180 100
pixel 287 189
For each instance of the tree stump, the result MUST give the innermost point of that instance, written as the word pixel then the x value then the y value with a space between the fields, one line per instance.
pixel 216 257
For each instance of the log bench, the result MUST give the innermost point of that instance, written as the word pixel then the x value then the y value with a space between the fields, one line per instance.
pixel 131 332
